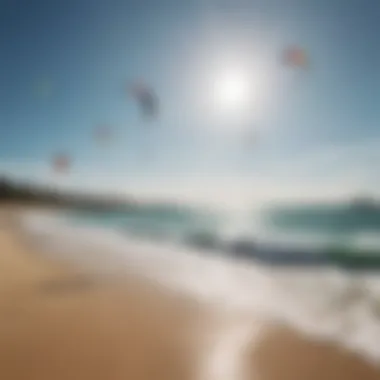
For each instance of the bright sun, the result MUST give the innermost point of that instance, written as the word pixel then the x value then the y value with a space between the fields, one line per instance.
pixel 232 90
pixel 237 92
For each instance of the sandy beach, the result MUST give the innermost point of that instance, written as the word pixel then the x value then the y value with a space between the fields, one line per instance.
pixel 57 323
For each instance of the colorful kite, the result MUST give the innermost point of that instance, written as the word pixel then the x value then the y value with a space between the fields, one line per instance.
pixel 103 134
pixel 44 88
pixel 295 57
pixel 61 163
pixel 146 98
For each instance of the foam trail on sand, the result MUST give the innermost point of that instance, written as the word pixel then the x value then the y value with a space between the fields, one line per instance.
pixel 325 303
pixel 224 352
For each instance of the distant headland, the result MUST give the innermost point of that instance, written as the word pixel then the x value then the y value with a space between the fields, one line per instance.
pixel 32 194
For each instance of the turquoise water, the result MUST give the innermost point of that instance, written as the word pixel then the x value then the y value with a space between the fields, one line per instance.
pixel 325 302
pixel 308 226
pixel 158 223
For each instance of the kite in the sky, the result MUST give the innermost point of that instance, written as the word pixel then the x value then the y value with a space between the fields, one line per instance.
pixel 61 163
pixel 146 98
pixel 251 137
pixel 295 57
pixel 103 134
pixel 44 88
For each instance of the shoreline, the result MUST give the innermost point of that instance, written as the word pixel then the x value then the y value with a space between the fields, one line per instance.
pixel 58 335
pixel 134 329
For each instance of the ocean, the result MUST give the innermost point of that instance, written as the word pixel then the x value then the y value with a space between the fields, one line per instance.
pixel 231 261
pixel 305 229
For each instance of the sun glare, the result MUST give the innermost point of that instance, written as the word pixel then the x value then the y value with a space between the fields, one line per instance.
pixel 237 92
pixel 231 90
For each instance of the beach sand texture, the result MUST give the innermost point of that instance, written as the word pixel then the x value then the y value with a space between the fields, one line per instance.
pixel 56 323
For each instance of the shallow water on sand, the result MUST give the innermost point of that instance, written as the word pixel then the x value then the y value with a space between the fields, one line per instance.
pixel 326 303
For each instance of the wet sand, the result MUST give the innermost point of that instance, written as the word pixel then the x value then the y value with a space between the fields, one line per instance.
pixel 57 323
pixel 285 355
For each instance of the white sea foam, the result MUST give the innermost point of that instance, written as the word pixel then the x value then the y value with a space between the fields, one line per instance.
pixel 326 303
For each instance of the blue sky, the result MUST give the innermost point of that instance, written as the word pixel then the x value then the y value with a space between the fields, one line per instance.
pixel 317 130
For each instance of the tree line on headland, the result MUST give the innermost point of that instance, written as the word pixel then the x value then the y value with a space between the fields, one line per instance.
pixel 31 194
